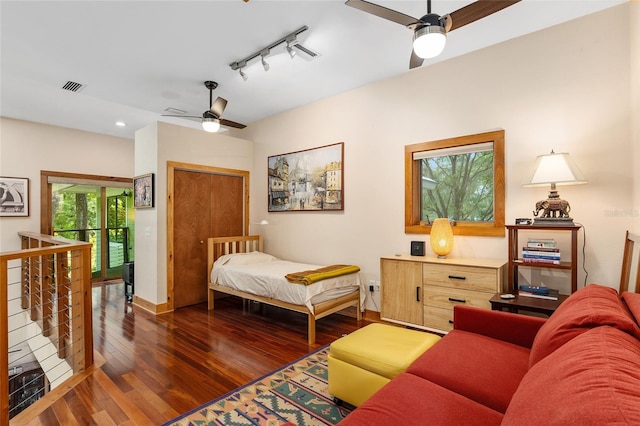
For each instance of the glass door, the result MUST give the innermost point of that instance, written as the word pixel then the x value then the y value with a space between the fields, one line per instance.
pixel 100 215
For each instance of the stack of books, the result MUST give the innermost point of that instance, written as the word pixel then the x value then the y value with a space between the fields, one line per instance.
pixel 539 292
pixel 541 251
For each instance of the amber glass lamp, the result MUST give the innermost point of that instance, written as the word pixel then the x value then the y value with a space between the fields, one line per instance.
pixel 441 237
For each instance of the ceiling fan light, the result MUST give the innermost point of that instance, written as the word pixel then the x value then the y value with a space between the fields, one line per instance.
pixel 429 41
pixel 210 124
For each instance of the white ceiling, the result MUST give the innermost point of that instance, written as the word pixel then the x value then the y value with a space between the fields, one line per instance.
pixel 138 58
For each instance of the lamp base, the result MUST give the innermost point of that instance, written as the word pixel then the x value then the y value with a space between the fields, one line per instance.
pixel 553 221
pixel 555 211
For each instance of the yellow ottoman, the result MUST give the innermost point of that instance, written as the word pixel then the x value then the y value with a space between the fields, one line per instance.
pixel 367 359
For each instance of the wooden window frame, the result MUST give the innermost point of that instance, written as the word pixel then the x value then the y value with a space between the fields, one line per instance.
pixel 412 222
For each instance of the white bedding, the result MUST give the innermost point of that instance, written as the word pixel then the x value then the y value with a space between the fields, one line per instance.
pixel 264 275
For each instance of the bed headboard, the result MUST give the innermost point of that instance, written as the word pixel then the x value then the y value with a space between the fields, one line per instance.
pixel 218 246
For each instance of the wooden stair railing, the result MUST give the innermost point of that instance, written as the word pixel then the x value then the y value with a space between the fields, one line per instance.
pixel 53 272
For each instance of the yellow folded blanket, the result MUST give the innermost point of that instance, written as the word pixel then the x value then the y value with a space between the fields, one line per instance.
pixel 315 275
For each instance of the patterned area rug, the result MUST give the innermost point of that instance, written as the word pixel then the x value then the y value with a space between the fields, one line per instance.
pixel 296 394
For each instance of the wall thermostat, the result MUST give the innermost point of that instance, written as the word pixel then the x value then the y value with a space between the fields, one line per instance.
pixel 417 248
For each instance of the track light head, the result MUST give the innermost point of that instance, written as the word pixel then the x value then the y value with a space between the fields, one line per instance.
pixel 244 76
pixel 291 41
pixel 265 65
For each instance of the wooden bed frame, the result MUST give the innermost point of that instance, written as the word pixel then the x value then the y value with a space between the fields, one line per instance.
pixel 226 245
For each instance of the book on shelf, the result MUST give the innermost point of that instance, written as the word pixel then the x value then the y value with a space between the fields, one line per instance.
pixel 534 289
pixel 551 295
pixel 541 249
pixel 536 255
pixel 543 261
pixel 533 242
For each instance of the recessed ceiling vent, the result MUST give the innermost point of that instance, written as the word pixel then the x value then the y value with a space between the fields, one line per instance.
pixel 72 86
pixel 175 110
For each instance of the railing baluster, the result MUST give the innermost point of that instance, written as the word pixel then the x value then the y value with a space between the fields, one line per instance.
pixel 34 288
pixel 24 276
pixel 46 274
pixel 62 294
pixel 4 346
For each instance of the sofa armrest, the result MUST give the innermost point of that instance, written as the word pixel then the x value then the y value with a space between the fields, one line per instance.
pixel 513 328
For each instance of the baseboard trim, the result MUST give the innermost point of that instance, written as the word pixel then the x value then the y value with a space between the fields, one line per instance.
pixel 161 308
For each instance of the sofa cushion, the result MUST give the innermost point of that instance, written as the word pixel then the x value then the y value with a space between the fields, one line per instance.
pixel 632 300
pixel 409 400
pixel 589 307
pixel 483 369
pixel 592 380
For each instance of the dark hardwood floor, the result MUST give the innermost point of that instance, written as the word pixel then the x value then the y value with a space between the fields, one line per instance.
pixel 150 369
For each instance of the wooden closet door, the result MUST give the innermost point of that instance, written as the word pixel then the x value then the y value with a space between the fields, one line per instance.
pixel 205 205
pixel 227 214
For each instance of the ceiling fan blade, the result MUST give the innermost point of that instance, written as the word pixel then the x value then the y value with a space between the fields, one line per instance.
pixel 478 10
pixel 415 61
pixel 230 123
pixel 218 106
pixel 383 12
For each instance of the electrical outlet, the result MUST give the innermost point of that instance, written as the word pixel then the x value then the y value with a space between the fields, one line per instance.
pixel 376 286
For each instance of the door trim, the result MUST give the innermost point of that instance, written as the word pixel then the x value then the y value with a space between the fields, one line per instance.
pixel 172 166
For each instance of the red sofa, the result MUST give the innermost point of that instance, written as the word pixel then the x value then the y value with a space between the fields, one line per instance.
pixel 581 366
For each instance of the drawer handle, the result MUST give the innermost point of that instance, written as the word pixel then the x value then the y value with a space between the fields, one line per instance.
pixel 417 294
pixel 451 299
pixel 456 277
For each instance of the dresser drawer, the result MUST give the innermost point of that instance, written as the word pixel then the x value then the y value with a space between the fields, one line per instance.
pixel 463 277
pixel 438 318
pixel 444 297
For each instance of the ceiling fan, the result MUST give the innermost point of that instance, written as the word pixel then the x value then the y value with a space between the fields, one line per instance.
pixel 429 32
pixel 211 120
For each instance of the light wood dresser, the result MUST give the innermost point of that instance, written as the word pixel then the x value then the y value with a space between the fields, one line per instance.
pixel 421 291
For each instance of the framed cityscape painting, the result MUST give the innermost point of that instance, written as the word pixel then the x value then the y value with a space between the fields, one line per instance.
pixel 308 180
pixel 14 197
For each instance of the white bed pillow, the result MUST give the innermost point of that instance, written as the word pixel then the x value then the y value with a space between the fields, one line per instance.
pixel 243 258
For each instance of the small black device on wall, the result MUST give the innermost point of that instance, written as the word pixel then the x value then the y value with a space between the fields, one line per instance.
pixel 417 248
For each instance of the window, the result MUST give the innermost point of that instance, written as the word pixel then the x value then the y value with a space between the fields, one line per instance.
pixel 460 178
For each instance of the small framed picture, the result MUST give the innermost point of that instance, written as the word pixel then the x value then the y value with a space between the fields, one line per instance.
pixel 143 191
pixel 14 197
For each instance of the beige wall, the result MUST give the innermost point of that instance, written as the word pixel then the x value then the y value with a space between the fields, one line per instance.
pixel 27 148
pixel 634 52
pixel 154 146
pixel 566 88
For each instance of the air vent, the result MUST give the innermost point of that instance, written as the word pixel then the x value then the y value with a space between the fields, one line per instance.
pixel 72 86
pixel 175 110
pixel 306 50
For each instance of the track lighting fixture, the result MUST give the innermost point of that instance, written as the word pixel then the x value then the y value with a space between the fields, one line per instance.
pixel 263 55
pixel 243 75
pixel 292 48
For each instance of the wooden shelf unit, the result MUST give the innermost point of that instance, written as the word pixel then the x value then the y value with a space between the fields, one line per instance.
pixel 515 261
